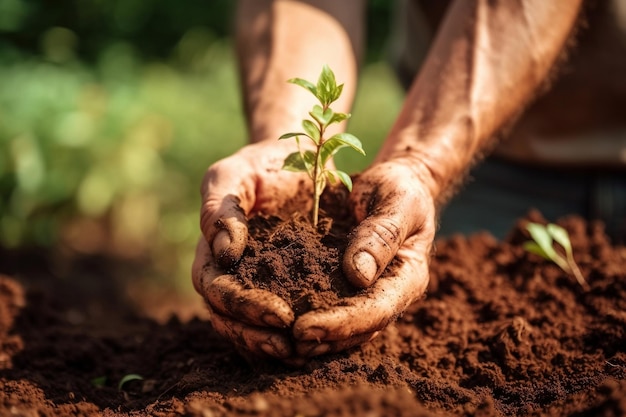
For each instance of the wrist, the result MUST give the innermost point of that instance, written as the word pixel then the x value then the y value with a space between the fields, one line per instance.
pixel 439 156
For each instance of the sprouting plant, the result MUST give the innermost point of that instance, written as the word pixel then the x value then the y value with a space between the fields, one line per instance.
pixel 313 162
pixel 128 378
pixel 99 381
pixel 542 245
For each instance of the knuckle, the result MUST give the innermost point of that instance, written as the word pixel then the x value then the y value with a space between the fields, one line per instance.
pixel 388 232
pixel 206 220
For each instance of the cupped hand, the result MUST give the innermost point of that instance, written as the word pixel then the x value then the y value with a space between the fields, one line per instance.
pixel 388 255
pixel 396 218
pixel 256 321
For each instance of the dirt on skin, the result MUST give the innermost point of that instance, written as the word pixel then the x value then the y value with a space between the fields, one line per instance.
pixel 501 332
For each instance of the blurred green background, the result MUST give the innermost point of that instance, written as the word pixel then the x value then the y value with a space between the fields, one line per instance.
pixel 110 112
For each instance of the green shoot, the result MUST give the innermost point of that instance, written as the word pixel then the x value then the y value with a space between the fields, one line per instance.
pixel 542 245
pixel 128 378
pixel 314 162
pixel 99 381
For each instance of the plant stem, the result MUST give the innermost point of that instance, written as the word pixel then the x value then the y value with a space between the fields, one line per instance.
pixel 317 172
pixel 316 194
pixel 576 272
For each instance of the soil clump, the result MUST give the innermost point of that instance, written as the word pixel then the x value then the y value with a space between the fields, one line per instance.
pixel 300 263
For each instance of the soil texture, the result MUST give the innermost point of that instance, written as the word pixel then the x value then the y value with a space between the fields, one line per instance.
pixel 500 332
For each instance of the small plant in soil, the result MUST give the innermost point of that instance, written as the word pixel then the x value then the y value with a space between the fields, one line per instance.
pixel 313 162
pixel 128 378
pixel 543 245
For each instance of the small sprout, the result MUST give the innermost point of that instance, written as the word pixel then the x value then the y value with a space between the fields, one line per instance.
pixel 542 245
pixel 128 378
pixel 99 381
pixel 314 162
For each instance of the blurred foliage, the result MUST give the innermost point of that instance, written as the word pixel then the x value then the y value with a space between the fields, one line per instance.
pixel 111 111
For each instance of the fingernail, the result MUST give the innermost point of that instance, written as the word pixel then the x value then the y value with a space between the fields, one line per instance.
pixel 273 320
pixel 314 333
pixel 319 350
pixel 221 242
pixel 269 349
pixel 365 265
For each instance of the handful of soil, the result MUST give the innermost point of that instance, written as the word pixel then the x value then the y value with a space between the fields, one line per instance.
pixel 292 259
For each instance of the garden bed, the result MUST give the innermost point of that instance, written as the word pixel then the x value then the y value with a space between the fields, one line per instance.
pixel 501 332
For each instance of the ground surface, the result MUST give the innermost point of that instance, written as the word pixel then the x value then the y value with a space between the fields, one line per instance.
pixel 501 332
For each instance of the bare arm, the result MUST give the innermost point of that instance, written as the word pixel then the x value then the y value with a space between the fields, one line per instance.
pixel 280 39
pixel 276 40
pixel 486 63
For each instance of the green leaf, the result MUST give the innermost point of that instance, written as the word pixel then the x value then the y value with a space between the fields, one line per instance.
pixel 300 162
pixel 344 178
pixel 338 91
pixel 533 247
pixel 311 130
pixel 322 116
pixel 329 149
pixel 291 135
pixel 294 162
pixel 305 84
pixel 540 235
pixel 99 381
pixel 349 140
pixel 128 378
pixel 326 86
pixel 339 117
pixel 560 235
pixel 309 162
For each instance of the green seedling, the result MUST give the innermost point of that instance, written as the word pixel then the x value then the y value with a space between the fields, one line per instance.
pixel 313 162
pixel 99 381
pixel 543 245
pixel 128 378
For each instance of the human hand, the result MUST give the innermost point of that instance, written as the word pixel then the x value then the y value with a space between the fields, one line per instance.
pixel 396 218
pixel 251 180
pixel 396 215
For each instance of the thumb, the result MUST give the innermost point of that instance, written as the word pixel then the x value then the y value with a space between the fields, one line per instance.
pixel 373 244
pixel 225 200
pixel 388 215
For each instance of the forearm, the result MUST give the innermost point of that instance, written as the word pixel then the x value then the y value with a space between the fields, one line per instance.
pixel 280 39
pixel 487 61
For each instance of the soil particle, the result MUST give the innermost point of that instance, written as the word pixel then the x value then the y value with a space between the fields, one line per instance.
pixel 501 332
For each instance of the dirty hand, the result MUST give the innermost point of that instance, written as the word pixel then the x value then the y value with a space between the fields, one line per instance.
pixel 396 216
pixel 251 180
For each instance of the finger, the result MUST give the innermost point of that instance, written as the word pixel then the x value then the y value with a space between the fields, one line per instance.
pixel 203 266
pixel 229 297
pixel 387 215
pixel 308 349
pixel 226 198
pixel 256 340
pixel 403 283
pixel 252 306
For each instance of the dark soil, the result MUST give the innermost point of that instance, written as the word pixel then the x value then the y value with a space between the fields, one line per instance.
pixel 501 332
pixel 300 263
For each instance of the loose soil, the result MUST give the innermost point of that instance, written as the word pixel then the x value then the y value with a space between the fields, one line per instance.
pixel 501 332
pixel 296 261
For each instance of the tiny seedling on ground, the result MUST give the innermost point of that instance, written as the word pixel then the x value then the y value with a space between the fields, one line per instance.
pixel 313 162
pixel 99 381
pixel 543 245
pixel 128 378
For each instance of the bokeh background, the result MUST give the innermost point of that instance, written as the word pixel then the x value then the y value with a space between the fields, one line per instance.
pixel 110 112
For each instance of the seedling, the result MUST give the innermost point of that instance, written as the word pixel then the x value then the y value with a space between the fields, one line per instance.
pixel 128 378
pixel 542 245
pixel 313 162
pixel 99 381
